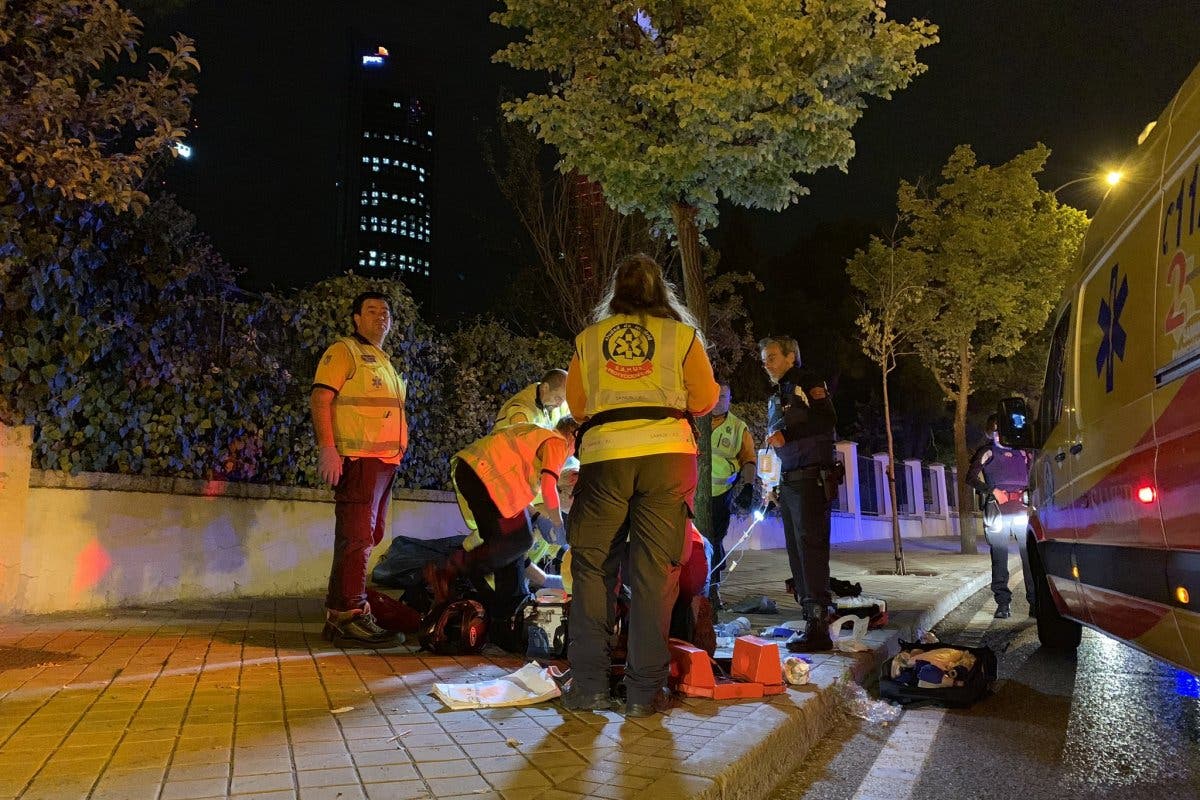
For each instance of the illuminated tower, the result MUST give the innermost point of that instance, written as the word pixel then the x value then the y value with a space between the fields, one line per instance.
pixel 386 223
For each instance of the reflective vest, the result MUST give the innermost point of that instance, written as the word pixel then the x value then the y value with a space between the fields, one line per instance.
pixel 526 402
pixel 508 463
pixel 726 444
pixel 368 412
pixel 626 362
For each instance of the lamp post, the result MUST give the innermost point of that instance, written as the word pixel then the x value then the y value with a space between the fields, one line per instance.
pixel 1112 178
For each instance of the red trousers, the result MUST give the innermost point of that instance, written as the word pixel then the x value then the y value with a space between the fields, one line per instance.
pixel 362 497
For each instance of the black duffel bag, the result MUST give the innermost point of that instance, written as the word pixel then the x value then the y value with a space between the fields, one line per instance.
pixel 400 567
pixel 976 682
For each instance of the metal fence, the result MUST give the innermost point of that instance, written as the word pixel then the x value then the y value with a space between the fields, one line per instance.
pixel 951 490
pixel 868 498
pixel 930 492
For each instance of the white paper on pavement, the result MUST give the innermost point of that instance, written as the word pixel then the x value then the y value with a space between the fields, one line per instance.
pixel 528 685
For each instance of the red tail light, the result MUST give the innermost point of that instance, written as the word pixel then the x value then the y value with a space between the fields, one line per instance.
pixel 1146 494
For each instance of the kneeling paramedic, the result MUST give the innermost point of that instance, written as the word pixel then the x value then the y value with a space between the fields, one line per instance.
pixel 497 479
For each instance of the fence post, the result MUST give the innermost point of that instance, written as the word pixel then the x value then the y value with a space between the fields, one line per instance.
pixel 916 486
pixel 881 485
pixel 848 497
pixel 937 475
pixel 952 486
pixel 848 493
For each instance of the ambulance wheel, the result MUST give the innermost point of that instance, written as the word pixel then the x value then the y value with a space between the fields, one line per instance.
pixel 1055 631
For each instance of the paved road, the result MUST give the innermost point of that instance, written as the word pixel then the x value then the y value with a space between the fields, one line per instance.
pixel 1107 724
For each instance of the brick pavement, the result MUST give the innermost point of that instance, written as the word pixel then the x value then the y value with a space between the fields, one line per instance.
pixel 242 699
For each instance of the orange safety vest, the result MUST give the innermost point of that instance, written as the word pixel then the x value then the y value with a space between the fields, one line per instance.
pixel 508 463
pixel 368 411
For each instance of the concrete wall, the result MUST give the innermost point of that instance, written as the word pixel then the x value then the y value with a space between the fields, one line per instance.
pixel 91 540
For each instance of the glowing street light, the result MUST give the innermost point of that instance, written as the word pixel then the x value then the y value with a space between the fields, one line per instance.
pixel 182 150
pixel 1112 178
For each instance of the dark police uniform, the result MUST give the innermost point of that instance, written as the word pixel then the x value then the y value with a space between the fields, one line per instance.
pixel 807 424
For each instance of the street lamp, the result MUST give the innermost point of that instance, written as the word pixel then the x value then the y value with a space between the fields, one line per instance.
pixel 1112 178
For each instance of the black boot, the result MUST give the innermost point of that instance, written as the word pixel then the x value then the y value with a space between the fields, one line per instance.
pixel 815 638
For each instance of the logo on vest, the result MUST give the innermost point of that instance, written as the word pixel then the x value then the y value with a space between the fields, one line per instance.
pixel 628 350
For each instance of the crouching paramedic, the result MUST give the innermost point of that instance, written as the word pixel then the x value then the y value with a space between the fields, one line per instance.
pixel 496 480
pixel 543 403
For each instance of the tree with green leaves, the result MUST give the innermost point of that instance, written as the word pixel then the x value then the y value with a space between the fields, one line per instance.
pixel 78 125
pixel 673 105
pixel 889 286
pixel 993 252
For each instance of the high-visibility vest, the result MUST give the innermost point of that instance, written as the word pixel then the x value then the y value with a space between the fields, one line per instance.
pixel 525 402
pixel 368 411
pixel 726 444
pixel 508 463
pixel 627 362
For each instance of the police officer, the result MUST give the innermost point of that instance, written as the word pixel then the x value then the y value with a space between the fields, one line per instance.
pixel 1000 476
pixel 638 374
pixel 733 466
pixel 800 426
pixel 357 407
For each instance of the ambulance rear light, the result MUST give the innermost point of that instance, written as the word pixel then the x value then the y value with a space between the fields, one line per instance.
pixel 1146 494
pixel 1181 594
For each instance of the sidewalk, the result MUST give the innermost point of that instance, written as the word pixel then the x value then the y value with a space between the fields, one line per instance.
pixel 238 699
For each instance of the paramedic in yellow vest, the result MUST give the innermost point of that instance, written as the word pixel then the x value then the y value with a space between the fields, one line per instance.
pixel 543 403
pixel 734 465
pixel 638 375
pixel 496 479
pixel 357 406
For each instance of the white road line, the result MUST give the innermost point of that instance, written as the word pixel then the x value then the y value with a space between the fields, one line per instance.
pixel 898 767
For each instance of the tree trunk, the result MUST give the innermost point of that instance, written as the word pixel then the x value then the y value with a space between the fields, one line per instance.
pixel 962 457
pixel 696 295
pixel 897 544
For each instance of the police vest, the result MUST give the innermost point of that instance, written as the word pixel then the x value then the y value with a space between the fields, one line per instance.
pixel 525 402
pixel 629 362
pixel 368 412
pixel 507 462
pixel 1007 469
pixel 726 444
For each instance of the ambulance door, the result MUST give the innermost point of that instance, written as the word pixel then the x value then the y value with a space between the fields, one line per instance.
pixel 1177 367
pixel 1120 549
pixel 1050 488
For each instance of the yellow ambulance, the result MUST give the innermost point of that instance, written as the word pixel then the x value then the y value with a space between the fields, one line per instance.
pixel 1114 520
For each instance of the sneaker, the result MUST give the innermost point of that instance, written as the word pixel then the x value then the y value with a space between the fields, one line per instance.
pixel 1002 612
pixel 656 705
pixel 359 629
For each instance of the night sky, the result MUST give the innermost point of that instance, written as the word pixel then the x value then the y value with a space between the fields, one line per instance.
pixel 1082 77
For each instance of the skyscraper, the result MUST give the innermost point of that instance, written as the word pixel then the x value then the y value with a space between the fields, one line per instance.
pixel 386 223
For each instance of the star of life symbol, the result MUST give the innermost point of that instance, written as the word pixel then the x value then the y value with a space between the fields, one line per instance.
pixel 1112 345
pixel 628 349
pixel 377 382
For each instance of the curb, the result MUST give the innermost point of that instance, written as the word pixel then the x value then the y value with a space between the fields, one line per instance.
pixel 751 766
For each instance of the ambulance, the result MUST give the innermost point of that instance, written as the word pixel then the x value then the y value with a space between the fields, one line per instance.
pixel 1114 494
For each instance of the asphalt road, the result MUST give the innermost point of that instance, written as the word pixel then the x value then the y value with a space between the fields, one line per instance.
pixel 1106 723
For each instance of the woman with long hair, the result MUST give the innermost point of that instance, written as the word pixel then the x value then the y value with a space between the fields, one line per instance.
pixel 638 377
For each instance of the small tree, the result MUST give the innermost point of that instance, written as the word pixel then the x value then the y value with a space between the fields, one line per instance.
pixel 889 286
pixel 993 251
pixel 670 106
